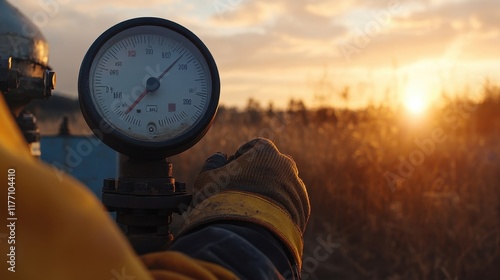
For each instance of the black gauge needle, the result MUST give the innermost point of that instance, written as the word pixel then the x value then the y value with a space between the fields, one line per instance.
pixel 148 88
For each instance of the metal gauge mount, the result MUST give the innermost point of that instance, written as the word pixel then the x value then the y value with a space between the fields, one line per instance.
pixel 149 88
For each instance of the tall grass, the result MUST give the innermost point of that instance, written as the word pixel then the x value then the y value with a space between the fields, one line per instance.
pixel 439 221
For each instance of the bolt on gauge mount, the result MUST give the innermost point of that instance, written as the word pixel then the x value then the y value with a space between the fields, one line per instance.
pixel 149 89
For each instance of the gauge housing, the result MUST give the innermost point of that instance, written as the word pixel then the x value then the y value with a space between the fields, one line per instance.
pixel 120 141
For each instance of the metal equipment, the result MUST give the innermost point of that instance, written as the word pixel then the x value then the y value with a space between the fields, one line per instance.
pixel 24 71
pixel 22 42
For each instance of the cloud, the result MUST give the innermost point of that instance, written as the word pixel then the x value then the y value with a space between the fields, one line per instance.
pixel 245 13
pixel 431 32
pixel 267 42
pixel 288 35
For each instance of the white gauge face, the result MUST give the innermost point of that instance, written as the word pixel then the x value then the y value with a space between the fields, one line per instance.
pixel 150 83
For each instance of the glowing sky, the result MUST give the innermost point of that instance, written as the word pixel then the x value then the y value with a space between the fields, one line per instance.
pixel 309 49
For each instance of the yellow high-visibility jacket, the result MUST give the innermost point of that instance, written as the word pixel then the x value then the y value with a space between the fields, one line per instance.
pixel 57 229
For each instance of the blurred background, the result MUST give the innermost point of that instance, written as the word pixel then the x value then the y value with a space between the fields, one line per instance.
pixel 389 108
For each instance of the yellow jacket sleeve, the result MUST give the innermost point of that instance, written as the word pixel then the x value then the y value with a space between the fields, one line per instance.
pixel 57 229
pixel 61 230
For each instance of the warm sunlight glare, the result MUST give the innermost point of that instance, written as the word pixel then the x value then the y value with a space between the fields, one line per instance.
pixel 415 100
pixel 415 104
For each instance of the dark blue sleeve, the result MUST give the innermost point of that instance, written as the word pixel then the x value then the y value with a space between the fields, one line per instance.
pixel 248 250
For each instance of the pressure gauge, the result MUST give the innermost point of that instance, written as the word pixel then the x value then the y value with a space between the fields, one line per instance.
pixel 149 88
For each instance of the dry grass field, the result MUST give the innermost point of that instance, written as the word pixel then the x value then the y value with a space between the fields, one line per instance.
pixel 403 197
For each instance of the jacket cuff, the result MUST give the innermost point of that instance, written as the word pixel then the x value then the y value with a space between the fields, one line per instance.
pixel 247 207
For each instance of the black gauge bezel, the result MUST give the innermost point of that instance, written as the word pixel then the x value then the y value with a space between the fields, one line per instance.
pixel 123 143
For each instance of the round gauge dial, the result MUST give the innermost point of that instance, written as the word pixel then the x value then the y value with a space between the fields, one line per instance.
pixel 149 88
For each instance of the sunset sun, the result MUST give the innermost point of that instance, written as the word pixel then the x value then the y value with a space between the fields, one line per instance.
pixel 415 104
pixel 415 99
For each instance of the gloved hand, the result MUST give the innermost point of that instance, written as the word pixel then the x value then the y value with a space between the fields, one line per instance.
pixel 258 184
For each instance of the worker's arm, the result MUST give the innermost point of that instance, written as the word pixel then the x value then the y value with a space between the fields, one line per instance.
pixel 248 250
pixel 61 231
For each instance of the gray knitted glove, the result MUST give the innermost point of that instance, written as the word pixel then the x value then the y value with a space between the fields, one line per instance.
pixel 258 184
